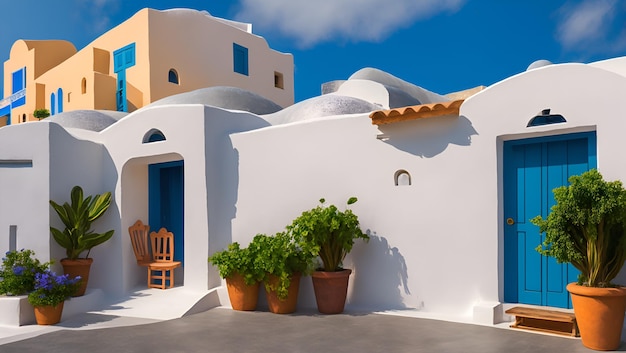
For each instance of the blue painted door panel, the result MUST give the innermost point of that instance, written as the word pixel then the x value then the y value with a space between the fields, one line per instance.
pixel 166 202
pixel 532 169
pixel 123 59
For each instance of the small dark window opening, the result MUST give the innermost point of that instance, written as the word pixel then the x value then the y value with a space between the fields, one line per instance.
pixel 153 135
pixel 23 118
pixel 545 118
pixel 83 86
pixel 173 76
pixel 278 80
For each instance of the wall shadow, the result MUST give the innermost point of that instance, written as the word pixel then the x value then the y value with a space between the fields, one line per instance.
pixel 381 276
pixel 428 137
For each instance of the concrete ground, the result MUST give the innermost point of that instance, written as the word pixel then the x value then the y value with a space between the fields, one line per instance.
pixel 224 330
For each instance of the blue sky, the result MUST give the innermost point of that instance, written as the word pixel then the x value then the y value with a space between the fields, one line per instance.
pixel 441 45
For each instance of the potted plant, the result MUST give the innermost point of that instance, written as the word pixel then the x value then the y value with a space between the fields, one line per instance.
pixel 50 294
pixel 78 237
pixel 587 228
pixel 328 233
pixel 18 272
pixel 243 275
pixel 283 264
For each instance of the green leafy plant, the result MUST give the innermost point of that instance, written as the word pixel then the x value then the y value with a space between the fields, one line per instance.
pixel 18 272
pixel 237 260
pixel 77 217
pixel 328 233
pixel 279 256
pixel 587 228
pixel 41 113
pixel 52 289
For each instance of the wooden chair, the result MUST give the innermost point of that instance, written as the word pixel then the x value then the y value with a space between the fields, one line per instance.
pixel 162 266
pixel 139 238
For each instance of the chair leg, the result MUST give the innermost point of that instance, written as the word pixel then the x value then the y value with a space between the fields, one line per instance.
pixel 171 278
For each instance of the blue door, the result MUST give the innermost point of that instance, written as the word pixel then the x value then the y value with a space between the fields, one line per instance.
pixel 166 201
pixel 123 58
pixel 532 169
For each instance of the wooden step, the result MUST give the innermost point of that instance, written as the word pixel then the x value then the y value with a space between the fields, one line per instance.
pixel 552 321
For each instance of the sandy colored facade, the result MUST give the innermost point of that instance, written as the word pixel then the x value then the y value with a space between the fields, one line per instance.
pixel 152 55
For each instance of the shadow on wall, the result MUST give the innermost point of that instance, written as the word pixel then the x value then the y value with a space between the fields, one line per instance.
pixel 429 137
pixel 382 275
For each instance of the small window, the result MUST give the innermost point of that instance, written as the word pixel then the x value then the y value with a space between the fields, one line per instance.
pixel 173 76
pixel 83 86
pixel 402 178
pixel 153 135
pixel 23 118
pixel 240 59
pixel 53 104
pixel 69 96
pixel 278 80
pixel 60 98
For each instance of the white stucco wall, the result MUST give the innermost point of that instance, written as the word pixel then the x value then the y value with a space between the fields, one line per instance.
pixel 437 244
pixel 25 189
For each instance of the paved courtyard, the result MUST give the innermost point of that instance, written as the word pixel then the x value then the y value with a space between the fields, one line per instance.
pixel 224 330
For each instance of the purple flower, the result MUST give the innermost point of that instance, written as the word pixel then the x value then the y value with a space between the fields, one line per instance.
pixel 18 270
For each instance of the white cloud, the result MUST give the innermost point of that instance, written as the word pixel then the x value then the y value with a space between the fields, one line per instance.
pixel 96 14
pixel 313 21
pixel 592 25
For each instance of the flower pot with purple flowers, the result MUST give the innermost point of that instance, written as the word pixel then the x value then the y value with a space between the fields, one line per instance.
pixel 51 291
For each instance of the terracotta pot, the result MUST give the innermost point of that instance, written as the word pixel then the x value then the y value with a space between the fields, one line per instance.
pixel 599 314
pixel 331 289
pixel 243 297
pixel 48 314
pixel 288 305
pixel 78 267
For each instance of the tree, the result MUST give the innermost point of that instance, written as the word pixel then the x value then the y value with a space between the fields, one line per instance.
pixel 41 113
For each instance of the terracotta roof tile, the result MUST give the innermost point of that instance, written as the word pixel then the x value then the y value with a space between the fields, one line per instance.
pixel 381 117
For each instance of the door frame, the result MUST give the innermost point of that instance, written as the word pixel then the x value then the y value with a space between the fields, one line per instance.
pixel 154 204
pixel 510 262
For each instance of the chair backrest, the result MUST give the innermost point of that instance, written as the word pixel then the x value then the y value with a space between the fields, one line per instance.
pixel 162 245
pixel 139 238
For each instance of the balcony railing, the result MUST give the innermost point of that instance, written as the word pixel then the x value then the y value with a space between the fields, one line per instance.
pixel 12 98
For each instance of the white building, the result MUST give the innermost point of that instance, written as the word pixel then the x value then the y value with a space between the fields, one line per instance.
pixel 438 184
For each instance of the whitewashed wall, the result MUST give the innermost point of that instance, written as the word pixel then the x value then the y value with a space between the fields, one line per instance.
pixel 437 244
pixel 24 190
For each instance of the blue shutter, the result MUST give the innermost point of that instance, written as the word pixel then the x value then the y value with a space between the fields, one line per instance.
pixel 240 59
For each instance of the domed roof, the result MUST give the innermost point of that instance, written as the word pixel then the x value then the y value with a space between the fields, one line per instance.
pixel 538 63
pixel 232 98
pixel 399 90
pixel 317 107
pixel 93 120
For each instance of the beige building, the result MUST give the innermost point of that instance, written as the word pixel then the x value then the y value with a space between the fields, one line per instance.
pixel 152 55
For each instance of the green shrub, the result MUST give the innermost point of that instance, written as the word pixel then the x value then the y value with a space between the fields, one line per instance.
pixel 18 272
pixel 328 233
pixel 237 260
pixel 587 228
pixel 279 256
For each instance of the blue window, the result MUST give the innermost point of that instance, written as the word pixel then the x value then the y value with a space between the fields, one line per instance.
pixel 172 76
pixel 18 84
pixel 60 98
pixel 124 58
pixel 240 59
pixel 53 102
pixel 19 80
